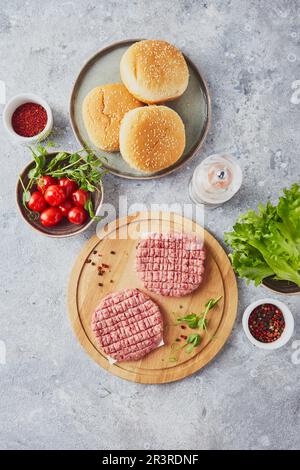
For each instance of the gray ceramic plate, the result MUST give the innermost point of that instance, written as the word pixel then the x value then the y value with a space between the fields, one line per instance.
pixel 193 107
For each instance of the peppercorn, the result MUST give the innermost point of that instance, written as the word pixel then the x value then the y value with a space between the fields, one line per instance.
pixel 266 323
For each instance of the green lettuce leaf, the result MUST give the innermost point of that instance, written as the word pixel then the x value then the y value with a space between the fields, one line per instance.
pixel 267 242
pixel 289 212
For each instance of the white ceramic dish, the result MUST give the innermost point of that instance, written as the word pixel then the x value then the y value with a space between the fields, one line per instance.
pixel 287 332
pixel 17 101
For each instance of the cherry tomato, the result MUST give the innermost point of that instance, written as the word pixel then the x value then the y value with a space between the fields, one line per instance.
pixel 55 195
pixel 65 207
pixel 37 202
pixel 44 182
pixel 80 197
pixel 77 215
pixel 51 216
pixel 68 185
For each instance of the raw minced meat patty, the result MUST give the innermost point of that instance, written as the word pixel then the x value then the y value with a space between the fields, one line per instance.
pixel 170 264
pixel 127 325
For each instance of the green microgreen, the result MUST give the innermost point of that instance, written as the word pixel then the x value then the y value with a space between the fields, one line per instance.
pixel 83 167
pixel 196 322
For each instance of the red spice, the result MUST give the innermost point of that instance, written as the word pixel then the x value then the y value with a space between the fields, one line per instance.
pixel 29 119
pixel 101 271
pixel 266 323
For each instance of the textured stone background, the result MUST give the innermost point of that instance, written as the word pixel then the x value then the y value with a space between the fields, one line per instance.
pixel 52 395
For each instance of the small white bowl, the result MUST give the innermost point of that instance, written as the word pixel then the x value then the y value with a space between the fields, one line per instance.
pixel 287 332
pixel 17 101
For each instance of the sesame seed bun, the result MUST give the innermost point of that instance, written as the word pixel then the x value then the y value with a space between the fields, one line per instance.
pixel 154 71
pixel 152 138
pixel 102 110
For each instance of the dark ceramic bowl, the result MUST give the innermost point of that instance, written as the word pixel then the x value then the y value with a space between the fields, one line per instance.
pixel 281 287
pixel 64 228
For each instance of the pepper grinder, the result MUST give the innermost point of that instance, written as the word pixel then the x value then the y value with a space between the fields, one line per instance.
pixel 216 180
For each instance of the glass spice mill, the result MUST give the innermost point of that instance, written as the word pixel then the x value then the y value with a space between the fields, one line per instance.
pixel 216 180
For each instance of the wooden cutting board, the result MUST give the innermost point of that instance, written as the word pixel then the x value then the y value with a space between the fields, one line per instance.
pixel 115 246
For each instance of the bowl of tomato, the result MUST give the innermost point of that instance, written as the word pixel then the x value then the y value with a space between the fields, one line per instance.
pixel 60 194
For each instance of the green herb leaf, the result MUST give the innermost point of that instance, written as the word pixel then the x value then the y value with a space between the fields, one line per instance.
pixel 197 322
pixel 40 159
pixel 97 218
pixel 173 359
pixel 190 348
pixel 190 317
pixel 89 207
pixel 33 173
pixel 202 323
pixel 75 158
pixel 193 340
pixel 90 187
pixel 212 302
pixel 26 197
pixel 191 320
pixel 42 150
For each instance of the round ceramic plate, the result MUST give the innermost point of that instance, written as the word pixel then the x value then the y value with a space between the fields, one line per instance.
pixel 193 107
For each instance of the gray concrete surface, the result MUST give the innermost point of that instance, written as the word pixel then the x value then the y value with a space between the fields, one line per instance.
pixel 51 394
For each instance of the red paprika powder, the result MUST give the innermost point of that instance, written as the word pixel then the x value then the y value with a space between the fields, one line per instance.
pixel 29 119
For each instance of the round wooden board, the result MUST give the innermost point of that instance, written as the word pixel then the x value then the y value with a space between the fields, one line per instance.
pixel 116 247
